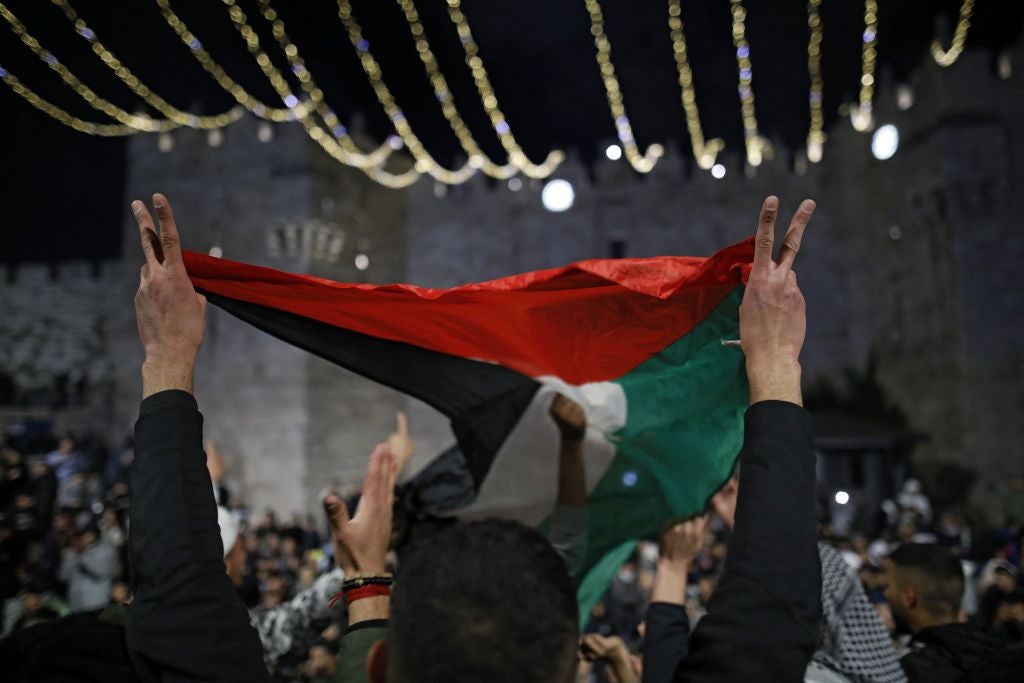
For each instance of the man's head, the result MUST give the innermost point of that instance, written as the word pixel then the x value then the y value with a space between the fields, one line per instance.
pixel 924 586
pixel 484 601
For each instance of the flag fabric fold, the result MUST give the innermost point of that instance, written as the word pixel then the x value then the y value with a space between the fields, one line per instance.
pixel 637 342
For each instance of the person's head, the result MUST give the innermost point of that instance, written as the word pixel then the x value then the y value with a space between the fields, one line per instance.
pixel 66 446
pixel 322 660
pixel 924 586
pixel 274 591
pixel 483 601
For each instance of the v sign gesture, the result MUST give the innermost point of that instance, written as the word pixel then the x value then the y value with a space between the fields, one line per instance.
pixel 171 314
pixel 773 320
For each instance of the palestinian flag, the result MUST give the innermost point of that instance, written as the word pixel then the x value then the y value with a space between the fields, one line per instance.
pixel 636 342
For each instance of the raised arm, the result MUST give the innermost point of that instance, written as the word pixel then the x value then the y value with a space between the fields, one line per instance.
pixel 186 621
pixel 763 618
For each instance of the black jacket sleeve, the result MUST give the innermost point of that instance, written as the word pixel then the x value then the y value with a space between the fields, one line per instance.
pixel 186 622
pixel 762 621
pixel 666 636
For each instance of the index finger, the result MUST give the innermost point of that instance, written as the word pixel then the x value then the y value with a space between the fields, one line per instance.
pixel 764 240
pixel 403 424
pixel 147 233
pixel 169 239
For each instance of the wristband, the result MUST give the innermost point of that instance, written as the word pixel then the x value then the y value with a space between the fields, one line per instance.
pixel 370 591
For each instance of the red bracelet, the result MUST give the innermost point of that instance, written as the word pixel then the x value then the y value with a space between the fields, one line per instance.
pixel 353 594
pixel 369 591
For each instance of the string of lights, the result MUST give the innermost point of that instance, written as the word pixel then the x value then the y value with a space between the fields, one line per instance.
pixel 140 121
pixel 948 57
pixel 704 151
pixel 354 155
pixel 277 80
pixel 489 99
pixel 862 116
pixel 447 100
pixel 758 147
pixel 425 163
pixel 241 96
pixel 61 115
pixel 182 118
pixel 641 162
pixel 816 135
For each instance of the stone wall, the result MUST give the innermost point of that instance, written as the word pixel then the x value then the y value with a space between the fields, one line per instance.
pixel 913 258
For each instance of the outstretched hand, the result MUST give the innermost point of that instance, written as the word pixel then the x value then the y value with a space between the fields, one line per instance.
pixel 681 542
pixel 773 319
pixel 361 543
pixel 171 315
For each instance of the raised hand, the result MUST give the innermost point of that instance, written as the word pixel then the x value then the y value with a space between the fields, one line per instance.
pixel 401 444
pixel 171 315
pixel 681 542
pixel 773 319
pixel 570 418
pixel 361 543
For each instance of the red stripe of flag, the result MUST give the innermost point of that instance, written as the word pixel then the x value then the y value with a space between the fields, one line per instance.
pixel 589 321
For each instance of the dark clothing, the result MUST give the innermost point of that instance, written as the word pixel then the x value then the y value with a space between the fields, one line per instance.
pixel 82 647
pixel 942 654
pixel 186 623
pixel 762 621
pixel 666 640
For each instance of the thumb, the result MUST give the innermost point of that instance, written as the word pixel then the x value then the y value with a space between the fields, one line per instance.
pixel 337 514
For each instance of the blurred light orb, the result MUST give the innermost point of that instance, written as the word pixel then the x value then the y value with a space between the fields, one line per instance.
pixel 885 141
pixel 362 261
pixel 558 195
pixel 216 252
pixel 614 152
pixel 842 497
pixel 718 171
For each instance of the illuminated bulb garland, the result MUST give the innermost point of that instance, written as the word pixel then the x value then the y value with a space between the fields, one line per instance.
pixel 704 151
pixel 816 135
pixel 425 163
pixel 321 136
pixel 643 163
pixel 140 122
pixel 447 100
pixel 489 99
pixel 862 116
pixel 758 148
pixel 353 155
pixel 182 118
pixel 60 115
pixel 948 57
pixel 218 73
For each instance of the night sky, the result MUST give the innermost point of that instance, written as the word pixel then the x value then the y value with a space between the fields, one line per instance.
pixel 61 192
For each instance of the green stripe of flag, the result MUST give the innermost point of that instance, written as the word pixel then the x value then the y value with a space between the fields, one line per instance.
pixel 683 432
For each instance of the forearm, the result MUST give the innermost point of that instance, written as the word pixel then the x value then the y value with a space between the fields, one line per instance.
pixel 669 583
pixel 572 482
pixel 765 612
pixel 184 601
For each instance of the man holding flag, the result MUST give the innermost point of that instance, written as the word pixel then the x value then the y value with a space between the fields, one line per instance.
pixel 763 620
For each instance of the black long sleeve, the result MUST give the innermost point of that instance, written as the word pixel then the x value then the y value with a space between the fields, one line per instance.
pixel 762 621
pixel 666 641
pixel 186 622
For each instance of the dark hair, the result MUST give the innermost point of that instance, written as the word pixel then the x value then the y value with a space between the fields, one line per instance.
pixel 935 573
pixel 483 601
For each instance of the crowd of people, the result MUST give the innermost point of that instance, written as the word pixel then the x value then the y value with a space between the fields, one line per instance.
pixel 204 586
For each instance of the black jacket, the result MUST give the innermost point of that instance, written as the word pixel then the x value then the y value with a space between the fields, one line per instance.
pixel 943 654
pixel 186 622
pixel 762 621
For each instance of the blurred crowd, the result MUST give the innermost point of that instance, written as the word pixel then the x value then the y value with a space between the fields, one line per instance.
pixel 64 526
